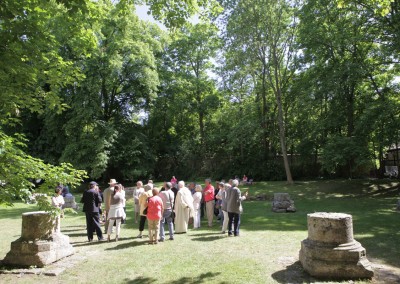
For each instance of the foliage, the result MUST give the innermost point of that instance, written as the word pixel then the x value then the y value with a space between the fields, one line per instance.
pixel 19 171
pixel 259 88
pixel 347 70
pixel 31 73
pixel 175 13
pixel 32 68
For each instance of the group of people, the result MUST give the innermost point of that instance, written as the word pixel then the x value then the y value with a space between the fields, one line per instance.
pixel 177 206
pixel 174 204
pixel 114 206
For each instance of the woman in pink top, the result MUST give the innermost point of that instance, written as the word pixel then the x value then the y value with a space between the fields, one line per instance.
pixel 155 210
pixel 174 181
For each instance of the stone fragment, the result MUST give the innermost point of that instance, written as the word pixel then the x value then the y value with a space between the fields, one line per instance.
pixel 69 200
pixel 282 203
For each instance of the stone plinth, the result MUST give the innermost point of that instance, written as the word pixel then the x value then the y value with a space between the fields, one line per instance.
pixel 282 203
pixel 38 245
pixel 70 202
pixel 330 250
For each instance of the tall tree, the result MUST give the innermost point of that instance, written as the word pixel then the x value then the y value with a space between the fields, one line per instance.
pixel 121 80
pixel 341 50
pixel 266 30
pixel 192 52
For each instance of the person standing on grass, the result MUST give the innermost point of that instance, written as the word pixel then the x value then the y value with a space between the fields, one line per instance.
pixel 192 187
pixel 58 201
pixel 197 196
pixel 117 212
pixel 217 202
pixel 107 194
pixel 136 192
pixel 234 207
pixel 168 198
pixel 91 202
pixel 164 187
pixel 143 197
pixel 183 208
pixel 101 212
pixel 244 179
pixel 174 181
pixel 65 189
pixel 221 196
pixel 155 210
pixel 209 201
pixel 122 191
pixel 224 207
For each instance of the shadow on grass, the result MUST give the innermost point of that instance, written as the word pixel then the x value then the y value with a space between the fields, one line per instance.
pixel 67 232
pixel 208 238
pixel 141 280
pixel 378 244
pixel 206 234
pixel 293 273
pixel 202 278
pixel 126 246
pixel 16 211
pixel 66 229
pixel 72 235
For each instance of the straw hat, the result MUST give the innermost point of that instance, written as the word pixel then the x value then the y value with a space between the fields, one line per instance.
pixel 112 181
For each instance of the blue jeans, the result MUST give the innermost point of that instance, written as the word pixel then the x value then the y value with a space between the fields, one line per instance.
pixel 166 218
pixel 220 216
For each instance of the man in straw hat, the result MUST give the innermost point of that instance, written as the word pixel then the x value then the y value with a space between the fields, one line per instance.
pixel 107 194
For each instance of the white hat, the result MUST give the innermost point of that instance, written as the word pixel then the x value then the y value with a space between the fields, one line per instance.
pixel 112 181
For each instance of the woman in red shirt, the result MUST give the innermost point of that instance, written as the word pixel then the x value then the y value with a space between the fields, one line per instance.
pixel 155 210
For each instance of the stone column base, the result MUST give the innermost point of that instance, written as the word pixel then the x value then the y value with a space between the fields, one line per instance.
pixel 39 252
pixel 346 261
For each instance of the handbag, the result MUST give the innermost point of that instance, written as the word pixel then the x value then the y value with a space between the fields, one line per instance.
pixel 172 208
pixel 145 209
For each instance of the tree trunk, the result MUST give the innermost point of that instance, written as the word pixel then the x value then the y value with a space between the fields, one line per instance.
pixel 264 113
pixel 201 125
pixel 282 137
pixel 281 124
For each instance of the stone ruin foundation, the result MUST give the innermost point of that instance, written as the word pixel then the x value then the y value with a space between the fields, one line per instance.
pixel 330 250
pixel 38 245
pixel 282 203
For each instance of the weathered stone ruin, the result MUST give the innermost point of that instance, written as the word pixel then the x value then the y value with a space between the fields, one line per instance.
pixel 69 200
pixel 330 250
pixel 282 203
pixel 38 245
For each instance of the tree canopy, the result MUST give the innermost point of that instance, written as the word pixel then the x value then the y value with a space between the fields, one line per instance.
pixel 271 89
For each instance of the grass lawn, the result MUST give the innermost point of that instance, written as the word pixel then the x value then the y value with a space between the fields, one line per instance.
pixel 266 252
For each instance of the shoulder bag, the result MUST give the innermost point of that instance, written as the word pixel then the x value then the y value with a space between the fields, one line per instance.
pixel 172 207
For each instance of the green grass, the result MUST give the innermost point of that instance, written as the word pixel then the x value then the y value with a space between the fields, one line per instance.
pixel 266 251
